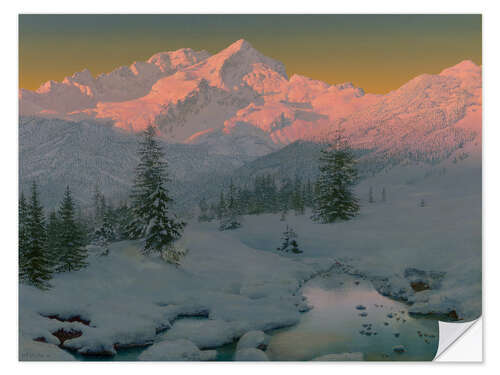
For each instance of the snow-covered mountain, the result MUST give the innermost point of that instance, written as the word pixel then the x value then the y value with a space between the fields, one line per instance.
pixel 83 155
pixel 82 91
pixel 218 112
pixel 239 94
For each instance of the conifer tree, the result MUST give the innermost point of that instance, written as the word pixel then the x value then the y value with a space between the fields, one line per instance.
pixel 36 265
pixel 106 232
pixel 99 205
pixel 53 243
pixel 285 240
pixel 230 218
pixel 384 196
pixel 289 243
pixel 23 237
pixel 297 197
pixel 72 243
pixel 335 199
pixel 285 195
pixel 295 246
pixel 308 194
pixel 123 218
pixel 221 207
pixel 151 201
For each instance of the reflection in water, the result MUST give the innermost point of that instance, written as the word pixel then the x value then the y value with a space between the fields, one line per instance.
pixel 335 325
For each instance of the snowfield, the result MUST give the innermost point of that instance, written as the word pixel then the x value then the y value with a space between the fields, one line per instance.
pixel 235 282
pixel 127 299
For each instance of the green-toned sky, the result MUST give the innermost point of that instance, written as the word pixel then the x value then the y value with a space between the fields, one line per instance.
pixel 376 52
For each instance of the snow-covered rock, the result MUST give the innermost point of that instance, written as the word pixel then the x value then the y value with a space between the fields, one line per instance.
pixel 204 333
pixel 250 354
pixel 176 350
pixel 253 339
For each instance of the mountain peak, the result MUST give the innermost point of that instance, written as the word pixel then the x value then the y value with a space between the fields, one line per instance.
pixel 228 68
pixel 240 44
pixel 177 59
pixel 463 67
pixel 240 47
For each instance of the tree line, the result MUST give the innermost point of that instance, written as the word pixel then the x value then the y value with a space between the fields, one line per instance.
pixel 59 244
pixel 266 194
pixel 331 196
pixel 49 246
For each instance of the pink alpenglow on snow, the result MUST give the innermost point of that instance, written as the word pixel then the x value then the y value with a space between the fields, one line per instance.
pixel 187 94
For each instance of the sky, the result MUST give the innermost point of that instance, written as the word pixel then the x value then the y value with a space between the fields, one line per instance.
pixel 376 52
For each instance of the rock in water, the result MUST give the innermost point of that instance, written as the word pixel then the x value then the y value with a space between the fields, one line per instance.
pixel 399 349
pixel 360 307
pixel 176 350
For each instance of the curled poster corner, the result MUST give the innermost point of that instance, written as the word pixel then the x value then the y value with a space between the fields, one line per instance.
pixel 450 333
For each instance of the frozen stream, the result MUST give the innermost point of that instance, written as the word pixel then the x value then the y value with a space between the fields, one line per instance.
pixel 335 325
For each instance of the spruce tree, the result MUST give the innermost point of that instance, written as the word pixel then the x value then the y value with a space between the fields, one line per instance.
pixel 151 201
pixel 231 217
pixel 37 265
pixel 72 243
pixel 295 245
pixel 285 195
pixel 289 243
pixel 298 197
pixel 309 194
pixel 335 199
pixel 23 237
pixel 96 200
pixel 107 231
pixel 285 238
pixel 123 218
pixel 221 207
pixel 53 243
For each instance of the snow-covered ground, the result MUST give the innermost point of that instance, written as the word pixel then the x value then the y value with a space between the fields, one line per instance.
pixel 127 299
pixel 237 279
pixel 397 242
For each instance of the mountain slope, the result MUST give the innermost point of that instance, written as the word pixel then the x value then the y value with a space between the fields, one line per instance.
pixel 239 93
pixel 82 91
pixel 235 109
pixel 83 155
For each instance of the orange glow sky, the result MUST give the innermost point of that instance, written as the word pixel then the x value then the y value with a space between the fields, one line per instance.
pixel 376 52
